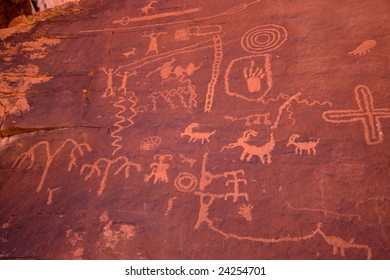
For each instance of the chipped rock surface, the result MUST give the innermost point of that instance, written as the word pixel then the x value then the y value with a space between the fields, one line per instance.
pixel 255 129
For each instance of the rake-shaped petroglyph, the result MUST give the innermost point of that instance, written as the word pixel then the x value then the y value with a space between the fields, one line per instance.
pixel 159 169
pixel 364 47
pixel 195 135
pixel 300 146
pixel 30 156
pixel 254 119
pixel 366 113
pixel 249 150
pixel 103 166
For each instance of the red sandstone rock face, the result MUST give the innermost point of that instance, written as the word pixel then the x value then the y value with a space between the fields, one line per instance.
pixel 194 130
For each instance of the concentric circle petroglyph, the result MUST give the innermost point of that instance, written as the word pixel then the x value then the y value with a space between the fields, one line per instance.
pixel 264 38
pixel 186 182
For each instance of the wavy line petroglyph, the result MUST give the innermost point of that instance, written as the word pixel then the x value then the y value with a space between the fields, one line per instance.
pixel 130 100
pixel 185 96
pixel 105 165
pixel 195 135
pixel 30 155
pixel 364 47
pixel 159 169
pixel 366 113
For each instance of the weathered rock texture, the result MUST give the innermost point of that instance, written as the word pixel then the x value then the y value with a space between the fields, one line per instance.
pixel 195 130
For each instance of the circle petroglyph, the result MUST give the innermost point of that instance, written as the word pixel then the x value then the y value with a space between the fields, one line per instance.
pixel 264 38
pixel 186 182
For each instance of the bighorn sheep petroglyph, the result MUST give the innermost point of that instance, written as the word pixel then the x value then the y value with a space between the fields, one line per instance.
pixel 263 152
pixel 309 146
pixel 194 136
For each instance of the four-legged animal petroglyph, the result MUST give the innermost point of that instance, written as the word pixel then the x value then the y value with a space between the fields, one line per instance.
pixel 31 154
pixel 130 52
pixel 159 169
pixel 97 168
pixel 194 135
pixel 366 113
pixel 149 7
pixel 263 152
pixel 309 146
pixel 364 47
pixel 190 161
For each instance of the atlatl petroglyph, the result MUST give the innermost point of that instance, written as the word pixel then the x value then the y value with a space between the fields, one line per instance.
pixel 184 34
pixel 159 169
pixel 366 113
pixel 126 20
pixel 150 143
pixel 195 135
pixel 31 153
pixel 106 164
pixel 254 119
pixel 308 146
pixel 364 47
pixel 263 152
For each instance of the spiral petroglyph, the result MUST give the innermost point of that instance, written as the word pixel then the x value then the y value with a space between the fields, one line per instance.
pixel 264 38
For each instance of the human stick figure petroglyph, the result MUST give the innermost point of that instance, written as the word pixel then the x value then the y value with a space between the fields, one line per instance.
pixel 254 119
pixel 110 80
pixel 31 154
pixel 159 169
pixel 235 181
pixel 148 7
pixel 125 77
pixel 153 46
pixel 194 135
pixel 366 113
pixel 263 152
pixel 218 55
pixel 308 146
pixel 364 47
pixel 105 165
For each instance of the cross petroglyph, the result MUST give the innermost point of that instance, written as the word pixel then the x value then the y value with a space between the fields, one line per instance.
pixel 366 113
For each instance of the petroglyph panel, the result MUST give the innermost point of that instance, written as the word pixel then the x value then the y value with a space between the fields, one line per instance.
pixel 195 130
